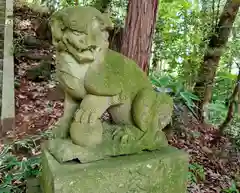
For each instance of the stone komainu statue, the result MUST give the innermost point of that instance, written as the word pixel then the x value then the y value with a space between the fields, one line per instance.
pixel 95 79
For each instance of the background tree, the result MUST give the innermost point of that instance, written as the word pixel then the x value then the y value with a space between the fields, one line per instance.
pixel 139 30
pixel 215 50
pixel 232 107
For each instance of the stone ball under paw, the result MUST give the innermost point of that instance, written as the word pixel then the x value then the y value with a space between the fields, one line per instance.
pixel 86 135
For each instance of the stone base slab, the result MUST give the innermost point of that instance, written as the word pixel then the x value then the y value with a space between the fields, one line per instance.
pixel 162 171
pixel 33 186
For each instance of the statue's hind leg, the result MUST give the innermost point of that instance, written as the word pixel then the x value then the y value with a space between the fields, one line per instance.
pixel 152 112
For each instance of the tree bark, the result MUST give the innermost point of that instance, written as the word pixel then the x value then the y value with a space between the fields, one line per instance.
pixel 139 30
pixel 238 103
pixel 233 102
pixel 217 42
pixel 115 38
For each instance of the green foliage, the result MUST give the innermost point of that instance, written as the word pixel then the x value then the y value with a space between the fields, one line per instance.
pixel 179 38
pixel 117 9
pixel 15 167
pixel 232 189
pixel 196 173
pixel 217 109
pixel 216 112
pixel 234 132
pixel 15 170
pixel 177 87
pixel 224 84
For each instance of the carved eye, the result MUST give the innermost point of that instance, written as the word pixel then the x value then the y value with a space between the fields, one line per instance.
pixel 73 23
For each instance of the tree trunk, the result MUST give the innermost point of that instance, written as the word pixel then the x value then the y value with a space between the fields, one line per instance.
pixel 217 42
pixel 139 30
pixel 115 38
pixel 232 106
pixel 238 109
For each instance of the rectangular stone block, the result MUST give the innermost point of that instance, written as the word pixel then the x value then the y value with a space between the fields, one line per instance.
pixel 163 171
pixel 33 186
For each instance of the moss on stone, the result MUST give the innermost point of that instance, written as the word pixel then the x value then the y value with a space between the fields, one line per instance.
pixel 163 171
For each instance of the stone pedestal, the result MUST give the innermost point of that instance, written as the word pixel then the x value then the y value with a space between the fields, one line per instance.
pixel 163 171
pixel 33 186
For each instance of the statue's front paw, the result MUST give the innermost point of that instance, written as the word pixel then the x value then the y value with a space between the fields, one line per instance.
pixel 86 116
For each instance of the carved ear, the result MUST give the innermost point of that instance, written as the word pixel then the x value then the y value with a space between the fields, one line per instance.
pixel 106 11
pixel 107 21
pixel 96 23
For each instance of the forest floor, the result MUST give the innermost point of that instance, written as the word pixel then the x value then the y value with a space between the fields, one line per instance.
pixel 40 104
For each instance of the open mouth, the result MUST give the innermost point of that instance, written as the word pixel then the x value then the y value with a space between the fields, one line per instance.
pixel 81 53
pixel 85 56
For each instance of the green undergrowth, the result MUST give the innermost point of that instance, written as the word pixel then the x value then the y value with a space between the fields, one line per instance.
pixel 18 161
pixel 217 113
pixel 175 87
pixel 196 173
pixel 231 189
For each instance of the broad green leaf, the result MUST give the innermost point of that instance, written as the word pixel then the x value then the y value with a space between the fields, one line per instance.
pixel 190 95
pixel 216 107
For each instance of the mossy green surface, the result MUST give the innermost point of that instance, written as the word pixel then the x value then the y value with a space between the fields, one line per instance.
pixel 130 141
pixel 33 186
pixel 163 171
pixel 95 79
